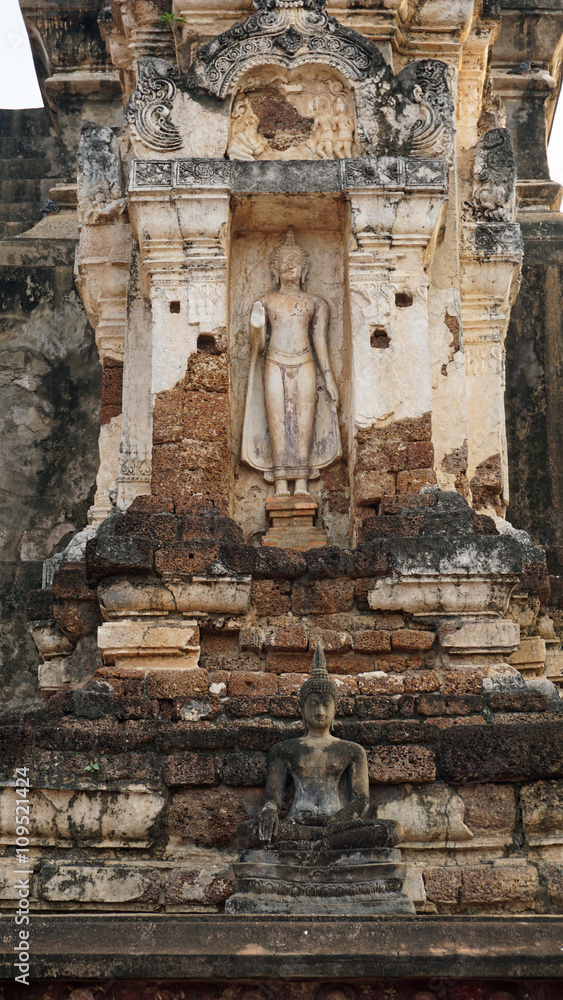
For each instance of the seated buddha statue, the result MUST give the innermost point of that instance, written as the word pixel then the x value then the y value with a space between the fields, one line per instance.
pixel 330 776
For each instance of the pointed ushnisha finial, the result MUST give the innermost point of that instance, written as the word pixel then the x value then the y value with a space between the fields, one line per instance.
pixel 320 681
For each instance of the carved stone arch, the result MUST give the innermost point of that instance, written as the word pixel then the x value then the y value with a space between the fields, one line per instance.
pixel 286 37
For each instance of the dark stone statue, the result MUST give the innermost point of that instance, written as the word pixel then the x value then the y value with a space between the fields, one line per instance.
pixel 329 854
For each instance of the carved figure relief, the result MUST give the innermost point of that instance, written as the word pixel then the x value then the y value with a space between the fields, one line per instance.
pixel 100 191
pixel 290 427
pixel 494 177
pixel 298 116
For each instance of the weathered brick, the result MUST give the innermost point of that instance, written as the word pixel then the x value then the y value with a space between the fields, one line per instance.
pixel 370 560
pixel 180 683
pixel 251 638
pixel 542 809
pixel 288 663
pixel 553 878
pixel 498 883
pixel 154 527
pixel 330 562
pixel 58 738
pixel 368 734
pixel 260 737
pixel 371 641
pixel 207 817
pixel 242 707
pixel 362 588
pixel 416 681
pixel 282 564
pixel 463 681
pixel 411 732
pixel 517 701
pixel 393 765
pixel 349 663
pixel 69 584
pixel 420 455
pixel 285 707
pixel 379 682
pixel 186 557
pixel 332 641
pixel 370 487
pixel 255 684
pixel 389 526
pixel 243 769
pixel 408 640
pixel 412 501
pixel 290 683
pixel 322 597
pixel 196 736
pixel 502 752
pixel 347 686
pixel 286 639
pixel 376 707
pixel 123 741
pixel 489 808
pixel 212 526
pixel 413 480
pixel 189 769
pixel 436 704
pixel 271 597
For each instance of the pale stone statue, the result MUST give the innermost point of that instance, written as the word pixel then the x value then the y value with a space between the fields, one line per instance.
pixel 291 425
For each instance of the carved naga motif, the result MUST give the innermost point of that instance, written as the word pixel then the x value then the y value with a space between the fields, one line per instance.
pixel 433 130
pixel 149 109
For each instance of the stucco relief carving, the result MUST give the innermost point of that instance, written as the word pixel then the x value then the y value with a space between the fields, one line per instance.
pixel 150 106
pixel 291 424
pixel 278 115
pixel 100 189
pixel 285 35
pixel 494 188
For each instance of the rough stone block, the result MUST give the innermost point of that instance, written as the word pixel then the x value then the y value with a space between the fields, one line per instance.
pixel 481 637
pixel 436 704
pixel 286 639
pixel 252 683
pixel 376 707
pixel 517 701
pixel 393 765
pixel 517 752
pixel 289 684
pixel 371 641
pixel 189 769
pixel 370 560
pixel 145 640
pixel 270 597
pixel 252 639
pixel 171 683
pixel 322 597
pixel 186 557
pixel 416 681
pixel 370 487
pixel 329 562
pixel 378 682
pixel 243 769
pixel 410 640
pixel 489 809
pixel 542 811
pixel 411 732
pixel 413 480
pixel 332 641
pixel 529 651
pixel 207 817
pixel 242 707
pixel 108 883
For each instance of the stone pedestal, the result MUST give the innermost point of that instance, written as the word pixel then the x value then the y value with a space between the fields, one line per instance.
pixel 313 881
pixel 292 524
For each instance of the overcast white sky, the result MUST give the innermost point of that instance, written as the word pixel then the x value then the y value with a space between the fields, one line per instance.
pixel 19 88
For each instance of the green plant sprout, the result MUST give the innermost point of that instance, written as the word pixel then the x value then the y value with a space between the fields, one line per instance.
pixel 172 20
pixel 92 766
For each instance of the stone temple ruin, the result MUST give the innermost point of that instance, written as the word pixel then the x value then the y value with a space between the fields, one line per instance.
pixel 284 721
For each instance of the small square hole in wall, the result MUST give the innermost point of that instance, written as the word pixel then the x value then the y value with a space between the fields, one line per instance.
pixel 379 337
pixel 403 300
pixel 174 307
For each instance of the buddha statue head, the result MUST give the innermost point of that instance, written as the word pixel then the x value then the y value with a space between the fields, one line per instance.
pixel 288 256
pixel 318 697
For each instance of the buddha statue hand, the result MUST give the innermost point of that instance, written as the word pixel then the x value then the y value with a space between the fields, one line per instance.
pixel 268 821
